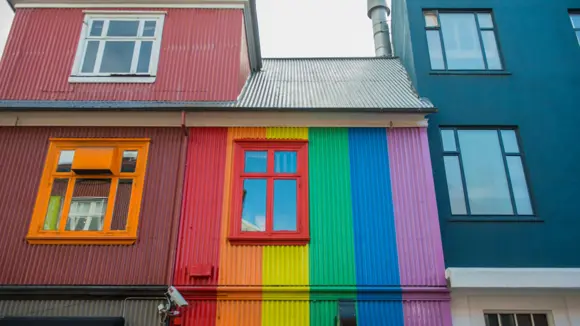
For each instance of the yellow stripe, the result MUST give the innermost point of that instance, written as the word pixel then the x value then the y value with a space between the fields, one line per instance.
pixel 285 266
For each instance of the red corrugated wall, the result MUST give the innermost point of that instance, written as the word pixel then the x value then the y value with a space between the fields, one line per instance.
pixel 199 59
pixel 199 237
pixel 22 156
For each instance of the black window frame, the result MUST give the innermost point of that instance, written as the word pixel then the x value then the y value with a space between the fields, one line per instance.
pixel 474 12
pixel 457 153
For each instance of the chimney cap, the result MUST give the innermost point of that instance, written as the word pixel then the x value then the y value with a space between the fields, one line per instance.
pixel 371 4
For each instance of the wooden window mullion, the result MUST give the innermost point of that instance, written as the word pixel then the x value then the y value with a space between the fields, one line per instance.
pixel 66 204
pixel 111 204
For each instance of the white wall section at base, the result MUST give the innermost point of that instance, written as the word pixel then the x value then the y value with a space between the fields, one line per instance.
pixel 468 307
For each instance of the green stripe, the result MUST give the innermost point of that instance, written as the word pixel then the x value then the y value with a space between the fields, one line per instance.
pixel 331 229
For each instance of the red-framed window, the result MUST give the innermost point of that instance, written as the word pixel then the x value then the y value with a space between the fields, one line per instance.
pixel 270 193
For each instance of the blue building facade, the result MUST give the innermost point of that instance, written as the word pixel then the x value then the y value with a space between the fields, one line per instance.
pixel 505 76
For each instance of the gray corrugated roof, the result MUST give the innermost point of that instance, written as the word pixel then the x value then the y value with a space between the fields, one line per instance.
pixel 331 83
pixel 305 84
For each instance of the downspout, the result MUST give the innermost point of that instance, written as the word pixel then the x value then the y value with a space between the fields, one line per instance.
pixel 378 12
pixel 178 198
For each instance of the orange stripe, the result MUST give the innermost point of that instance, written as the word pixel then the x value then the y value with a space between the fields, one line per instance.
pixel 240 265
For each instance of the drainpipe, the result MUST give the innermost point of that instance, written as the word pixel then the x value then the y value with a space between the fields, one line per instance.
pixel 378 13
pixel 178 197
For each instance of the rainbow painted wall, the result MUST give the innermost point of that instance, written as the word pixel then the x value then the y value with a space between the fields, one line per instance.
pixel 373 227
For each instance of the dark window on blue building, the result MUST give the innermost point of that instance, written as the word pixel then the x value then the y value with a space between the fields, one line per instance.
pixel 462 41
pixel 485 172
pixel 575 18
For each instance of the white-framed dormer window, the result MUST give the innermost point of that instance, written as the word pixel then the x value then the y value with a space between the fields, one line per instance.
pixel 118 48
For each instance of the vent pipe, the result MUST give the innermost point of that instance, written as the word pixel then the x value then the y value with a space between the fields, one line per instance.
pixel 378 13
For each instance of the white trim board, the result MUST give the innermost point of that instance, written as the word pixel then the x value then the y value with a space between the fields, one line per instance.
pixel 513 278
pixel 209 119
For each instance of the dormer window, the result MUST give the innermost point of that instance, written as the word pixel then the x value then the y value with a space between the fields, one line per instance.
pixel 118 48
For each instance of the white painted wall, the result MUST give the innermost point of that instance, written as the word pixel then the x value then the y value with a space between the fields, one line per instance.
pixel 6 17
pixel 468 307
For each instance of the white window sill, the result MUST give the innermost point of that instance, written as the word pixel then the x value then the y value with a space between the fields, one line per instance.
pixel 111 79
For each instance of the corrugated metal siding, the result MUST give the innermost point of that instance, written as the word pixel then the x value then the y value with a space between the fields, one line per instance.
pixel 380 313
pixel 375 240
pixel 239 264
pixel 200 313
pixel 239 313
pixel 199 58
pixel 323 313
pixel 146 262
pixel 332 259
pixel 427 313
pixel 199 235
pixel 418 235
pixel 136 312
pixel 331 83
pixel 286 313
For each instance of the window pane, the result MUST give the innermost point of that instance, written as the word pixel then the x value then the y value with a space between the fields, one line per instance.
pixel 65 161
pixel 435 51
pixel 96 28
pixel 524 319
pixel 129 162
pixel 448 137
pixel 485 175
pixel 254 205
pixel 285 162
pixel 485 20
pixel 519 185
pixel 57 194
pixel 540 320
pixel 510 141
pixel 491 51
pixel 461 41
pixel 455 185
pixel 491 320
pixel 122 201
pixel 578 36
pixel 575 18
pixel 149 28
pixel 507 320
pixel 90 56
pixel 123 28
pixel 256 162
pixel 88 205
pixel 285 205
pixel 117 57
pixel 431 19
pixel 144 57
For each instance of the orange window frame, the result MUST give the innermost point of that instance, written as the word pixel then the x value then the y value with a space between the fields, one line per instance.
pixel 37 234
pixel 270 237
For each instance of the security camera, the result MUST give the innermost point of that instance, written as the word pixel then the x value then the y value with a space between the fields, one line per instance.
pixel 176 297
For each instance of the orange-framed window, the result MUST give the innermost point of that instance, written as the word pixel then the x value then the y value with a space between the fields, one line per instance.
pixel 90 192
pixel 270 193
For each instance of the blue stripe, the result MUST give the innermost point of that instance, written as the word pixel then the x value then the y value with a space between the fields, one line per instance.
pixel 375 241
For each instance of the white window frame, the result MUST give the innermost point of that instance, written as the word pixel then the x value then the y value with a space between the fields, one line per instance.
pixel 94 77
pixel 74 216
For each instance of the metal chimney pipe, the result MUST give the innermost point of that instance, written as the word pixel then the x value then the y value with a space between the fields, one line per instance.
pixel 378 13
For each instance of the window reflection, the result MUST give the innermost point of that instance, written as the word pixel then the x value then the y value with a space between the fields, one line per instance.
pixel 285 162
pixel 285 205
pixel 65 161
pixel 88 205
pixel 254 205
pixel 256 161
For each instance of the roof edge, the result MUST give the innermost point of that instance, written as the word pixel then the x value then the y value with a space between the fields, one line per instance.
pixel 80 291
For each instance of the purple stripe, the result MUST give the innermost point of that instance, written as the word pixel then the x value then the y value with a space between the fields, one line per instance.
pixel 416 220
pixel 420 251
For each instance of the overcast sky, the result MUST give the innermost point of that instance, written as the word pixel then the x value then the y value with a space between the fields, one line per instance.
pixel 294 28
